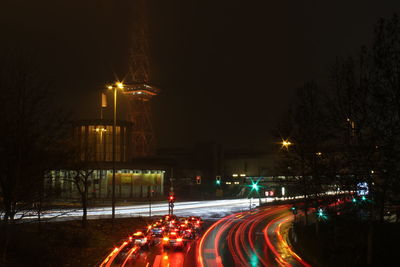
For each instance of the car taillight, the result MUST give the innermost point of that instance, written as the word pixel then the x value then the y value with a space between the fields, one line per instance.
pixel 179 239
pixel 165 238
pixel 145 239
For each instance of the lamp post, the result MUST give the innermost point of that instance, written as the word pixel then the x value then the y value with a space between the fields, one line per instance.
pixel 118 85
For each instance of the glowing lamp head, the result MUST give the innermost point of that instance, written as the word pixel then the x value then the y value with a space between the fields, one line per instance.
pixel 286 143
pixel 120 85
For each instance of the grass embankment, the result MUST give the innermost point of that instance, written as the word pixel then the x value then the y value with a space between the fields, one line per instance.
pixel 67 243
pixel 342 240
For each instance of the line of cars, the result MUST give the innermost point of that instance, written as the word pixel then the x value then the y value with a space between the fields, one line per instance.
pixel 175 232
pixel 170 231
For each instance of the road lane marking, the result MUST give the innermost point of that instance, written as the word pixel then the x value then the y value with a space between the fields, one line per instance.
pixel 157 261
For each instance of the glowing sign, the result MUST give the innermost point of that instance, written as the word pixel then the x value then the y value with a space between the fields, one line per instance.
pixel 362 189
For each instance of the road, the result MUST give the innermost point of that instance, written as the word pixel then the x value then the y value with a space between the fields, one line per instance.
pixel 257 238
pixel 249 238
pixel 208 209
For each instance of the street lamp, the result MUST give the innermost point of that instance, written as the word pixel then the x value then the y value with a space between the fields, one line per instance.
pixel 286 143
pixel 118 85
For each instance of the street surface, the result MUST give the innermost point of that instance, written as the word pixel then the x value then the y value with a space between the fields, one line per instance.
pixel 256 238
pixel 248 238
pixel 207 209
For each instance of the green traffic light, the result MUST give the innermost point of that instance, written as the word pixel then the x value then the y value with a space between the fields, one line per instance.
pixel 218 182
pixel 255 186
pixel 321 214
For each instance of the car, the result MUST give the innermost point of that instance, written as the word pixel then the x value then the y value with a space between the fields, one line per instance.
pixel 156 238
pixel 196 219
pixel 184 220
pixel 157 228
pixel 173 240
pixel 170 217
pixel 197 222
pixel 142 240
pixel 188 233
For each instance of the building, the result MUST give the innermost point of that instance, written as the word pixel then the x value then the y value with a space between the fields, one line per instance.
pixel 93 139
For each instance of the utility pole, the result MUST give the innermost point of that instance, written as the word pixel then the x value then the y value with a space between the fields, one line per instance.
pixel 118 85
pixel 113 156
pixel 150 198
pixel 171 197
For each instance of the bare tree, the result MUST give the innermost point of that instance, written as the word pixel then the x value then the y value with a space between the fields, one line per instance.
pixel 31 130
pixel 385 88
pixel 81 165
pixel 305 129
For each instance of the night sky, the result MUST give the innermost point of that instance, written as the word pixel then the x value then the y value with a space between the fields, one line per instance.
pixel 227 68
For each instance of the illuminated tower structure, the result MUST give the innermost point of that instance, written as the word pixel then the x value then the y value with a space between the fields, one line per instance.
pixel 139 89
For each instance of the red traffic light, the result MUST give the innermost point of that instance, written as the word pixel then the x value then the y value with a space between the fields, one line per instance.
pixel 171 198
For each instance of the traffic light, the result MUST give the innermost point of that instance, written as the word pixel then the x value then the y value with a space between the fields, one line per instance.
pixel 198 179
pixel 354 200
pixel 294 209
pixel 255 186
pixel 321 214
pixel 171 198
pixel 218 180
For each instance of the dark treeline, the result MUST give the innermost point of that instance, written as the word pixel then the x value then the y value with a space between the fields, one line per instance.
pixel 349 132
pixel 35 138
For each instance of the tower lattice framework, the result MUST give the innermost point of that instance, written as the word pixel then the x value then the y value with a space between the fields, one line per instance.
pixel 139 89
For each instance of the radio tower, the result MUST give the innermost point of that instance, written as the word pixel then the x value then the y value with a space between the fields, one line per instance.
pixel 138 88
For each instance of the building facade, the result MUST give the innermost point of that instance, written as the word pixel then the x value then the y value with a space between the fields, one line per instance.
pixel 94 158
